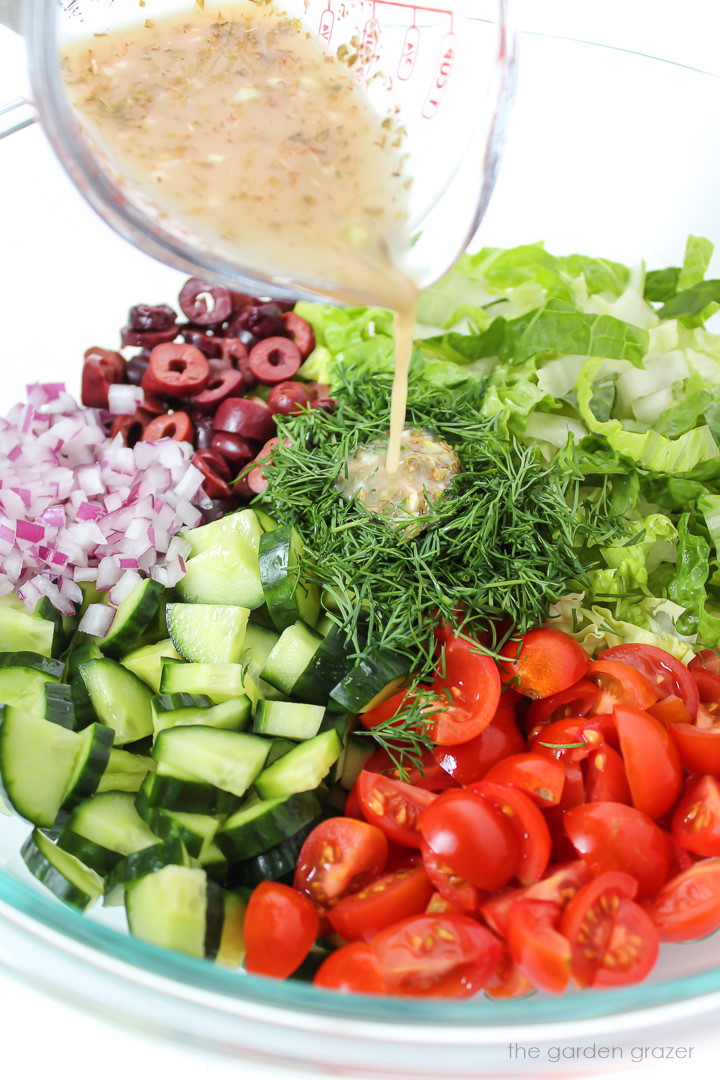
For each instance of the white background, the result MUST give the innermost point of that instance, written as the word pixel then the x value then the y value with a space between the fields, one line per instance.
pixel 64 282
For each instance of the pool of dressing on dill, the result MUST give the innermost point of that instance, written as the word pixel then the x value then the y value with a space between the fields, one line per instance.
pixel 239 126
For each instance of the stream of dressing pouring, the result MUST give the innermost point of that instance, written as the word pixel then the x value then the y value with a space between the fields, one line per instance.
pixel 241 127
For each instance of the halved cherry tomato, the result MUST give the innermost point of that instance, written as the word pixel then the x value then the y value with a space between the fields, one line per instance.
pixel 541 952
pixel 472 837
pixel 573 795
pixel 544 662
pixel 438 905
pixel 709 659
pixel 708 684
pixel 568 740
pixel 386 710
pixel 580 699
pixel 431 955
pixel 507 981
pixel 428 774
pixel 612 836
pixel 620 684
pixel 540 777
pixel 651 761
pixel 467 687
pixel 614 942
pixel 281 926
pixel 558 886
pixel 667 675
pixel 384 901
pixel 533 838
pixel 698 744
pixel 696 821
pixel 353 969
pixel 605 777
pixel 459 895
pixel 339 857
pixel 471 760
pixel 688 906
pixel 393 806
pixel 671 710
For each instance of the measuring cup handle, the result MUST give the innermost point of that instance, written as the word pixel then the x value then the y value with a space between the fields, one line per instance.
pixel 17 113
pixel 10 14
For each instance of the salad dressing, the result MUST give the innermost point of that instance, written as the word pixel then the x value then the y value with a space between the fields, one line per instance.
pixel 237 127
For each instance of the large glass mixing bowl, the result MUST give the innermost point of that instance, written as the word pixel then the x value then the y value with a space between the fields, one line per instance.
pixel 610 153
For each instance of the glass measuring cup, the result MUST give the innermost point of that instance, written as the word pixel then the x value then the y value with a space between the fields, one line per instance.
pixel 444 68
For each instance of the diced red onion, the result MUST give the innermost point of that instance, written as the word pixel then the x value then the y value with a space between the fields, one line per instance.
pixel 97 620
pixel 124 587
pixel 76 506
pixel 123 399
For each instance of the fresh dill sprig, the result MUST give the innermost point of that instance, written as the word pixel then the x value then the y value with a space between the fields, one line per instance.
pixel 406 735
pixel 505 542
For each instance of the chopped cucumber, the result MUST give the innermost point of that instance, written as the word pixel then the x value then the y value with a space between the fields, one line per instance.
pixel 146 662
pixel 22 632
pixel 263 823
pixel 104 828
pixel 228 760
pixel 208 633
pixel 176 908
pixel 289 598
pixel 241 525
pixel 290 656
pixel 376 676
pixel 132 618
pixel 119 699
pixel 220 682
pixel 60 872
pixel 289 719
pixel 232 715
pixel 125 771
pixel 37 764
pixel 302 769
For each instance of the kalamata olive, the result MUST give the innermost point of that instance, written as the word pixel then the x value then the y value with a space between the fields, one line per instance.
pixel 151 317
pixel 131 427
pixel 136 367
pixel 235 449
pixel 216 473
pixel 242 300
pixel 287 398
pixel 326 404
pixel 153 404
pixel 300 331
pixel 252 483
pixel 203 432
pixel 213 509
pixel 146 339
pixel 274 360
pixel 219 386
pixel 177 425
pixel 235 353
pixel 262 320
pixel 208 346
pixel 245 416
pixel 205 304
pixel 101 368
pixel 178 370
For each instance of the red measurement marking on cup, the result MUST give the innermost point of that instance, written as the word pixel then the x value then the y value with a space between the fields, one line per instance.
pixel 409 52
pixel 327 21
pixel 442 75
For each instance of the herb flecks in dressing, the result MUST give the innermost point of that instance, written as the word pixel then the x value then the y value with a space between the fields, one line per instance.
pixel 425 469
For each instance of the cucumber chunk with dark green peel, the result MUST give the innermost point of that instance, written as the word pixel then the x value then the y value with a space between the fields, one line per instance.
pixel 374 678
pixel 194 830
pixel 242 525
pixel 57 705
pixel 177 908
pixel 22 632
pixel 60 872
pixel 147 661
pixel 208 633
pixel 231 950
pixel 288 596
pixel 103 829
pixel 228 760
pixel 91 761
pixel 259 643
pixel 277 862
pixel 288 719
pixel 132 618
pixel 290 656
pixel 261 824
pixel 23 677
pixel 37 764
pixel 165 790
pixel 138 864
pixel 220 682
pixel 119 699
pixel 232 715
pixel 302 769
pixel 125 771
pixel 328 666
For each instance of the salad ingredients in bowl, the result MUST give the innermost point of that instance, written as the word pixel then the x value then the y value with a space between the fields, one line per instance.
pixel 437 746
